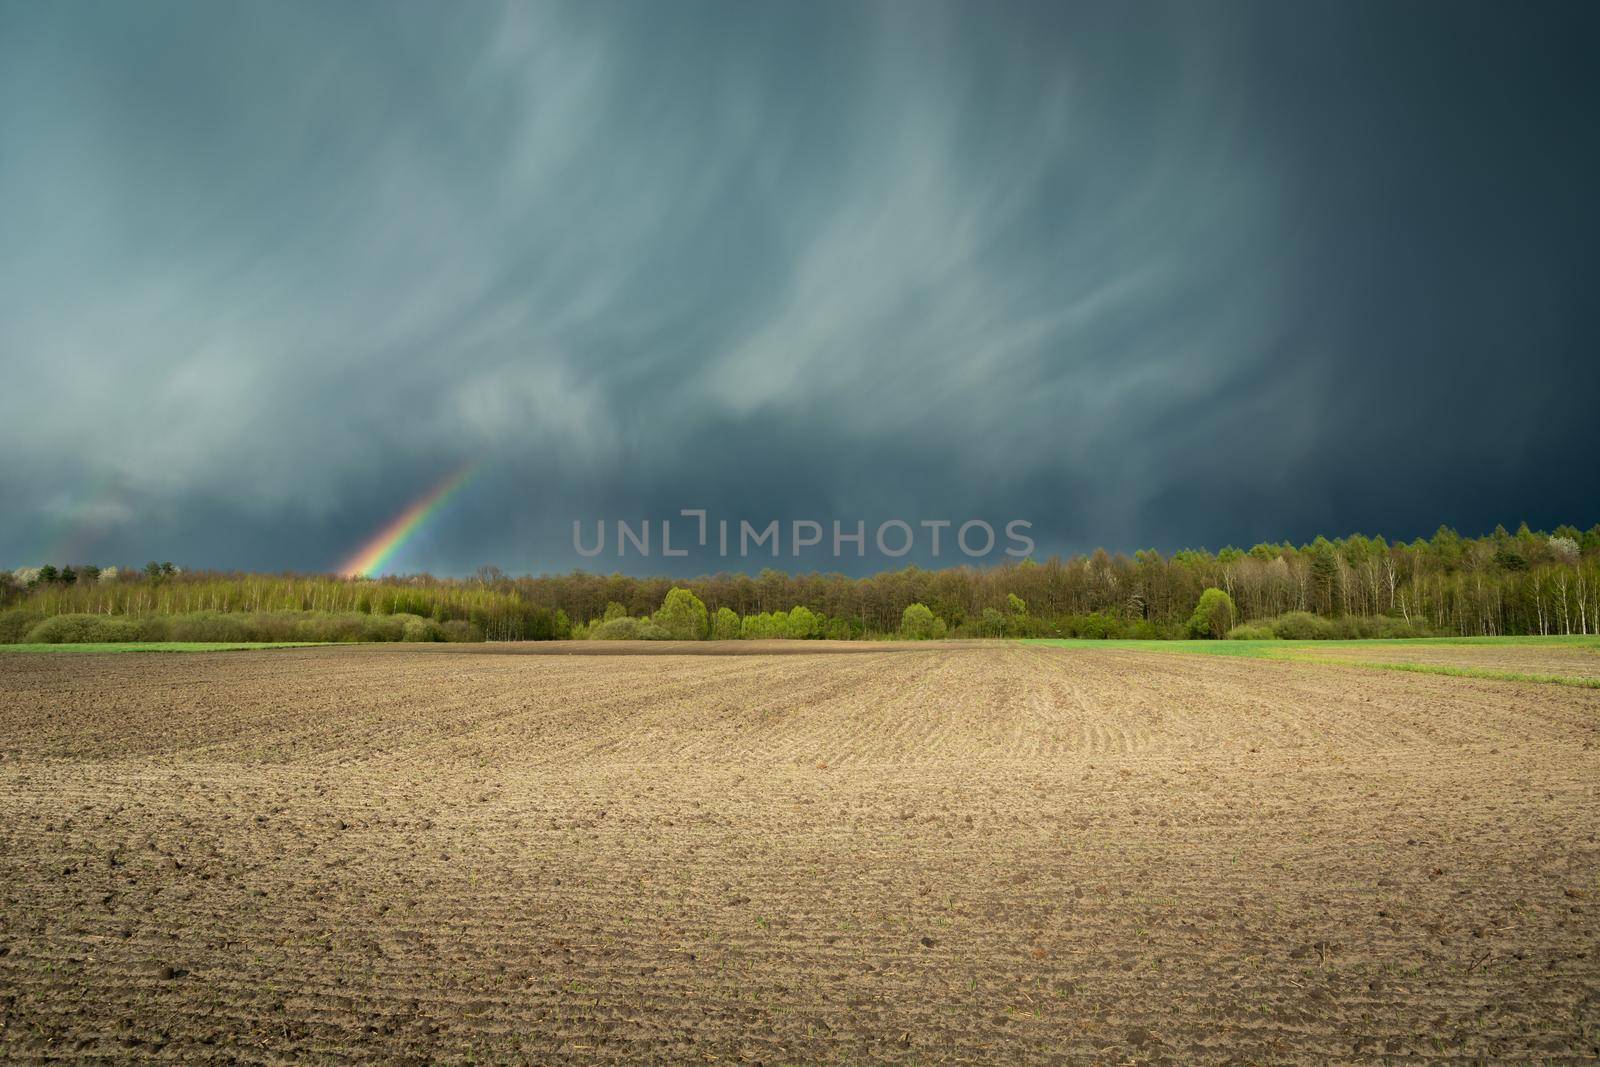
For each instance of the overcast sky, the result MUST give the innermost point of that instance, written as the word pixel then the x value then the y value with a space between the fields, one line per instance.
pixel 1143 275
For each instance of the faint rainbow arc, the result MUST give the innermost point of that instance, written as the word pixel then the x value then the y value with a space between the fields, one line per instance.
pixel 378 549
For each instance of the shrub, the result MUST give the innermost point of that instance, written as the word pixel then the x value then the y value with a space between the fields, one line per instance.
pixel 314 627
pixel 726 626
pixel 629 629
pixel 1246 631
pixel 83 630
pixel 159 628
pixel 1390 627
pixel 1094 626
pixel 917 623
pixel 1147 630
pixel 383 627
pixel 1344 628
pixel 212 626
pixel 15 624
pixel 459 630
pixel 623 629
pixel 419 629
pixel 1301 626
pixel 801 624
pixel 682 616
pixel 1213 615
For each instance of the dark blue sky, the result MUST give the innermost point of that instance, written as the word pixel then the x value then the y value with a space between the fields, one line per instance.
pixel 1141 274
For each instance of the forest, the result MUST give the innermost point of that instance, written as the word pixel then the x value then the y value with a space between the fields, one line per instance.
pixel 1503 583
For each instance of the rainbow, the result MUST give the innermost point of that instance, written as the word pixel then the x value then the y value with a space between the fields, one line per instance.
pixel 81 521
pixel 377 550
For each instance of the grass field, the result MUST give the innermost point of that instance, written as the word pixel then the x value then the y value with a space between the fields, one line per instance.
pixel 1560 660
pixel 991 852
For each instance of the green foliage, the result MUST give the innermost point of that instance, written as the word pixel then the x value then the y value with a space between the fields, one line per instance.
pixel 238 627
pixel 1246 631
pixel 16 622
pixel 1508 557
pixel 919 623
pixel 1526 582
pixel 1301 626
pixel 1213 615
pixel 1094 626
pixel 460 630
pixel 84 629
pixel 1304 626
pixel 623 629
pixel 418 629
pixel 683 616
pixel 725 625
pixel 801 624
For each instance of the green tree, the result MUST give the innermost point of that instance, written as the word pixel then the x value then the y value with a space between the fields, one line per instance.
pixel 683 616
pixel 48 574
pixel 1324 566
pixel 726 625
pixel 1213 616
pixel 1018 606
pixel 613 612
pixel 919 623
pixel 802 623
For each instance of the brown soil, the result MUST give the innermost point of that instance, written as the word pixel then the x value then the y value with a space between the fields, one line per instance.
pixel 993 853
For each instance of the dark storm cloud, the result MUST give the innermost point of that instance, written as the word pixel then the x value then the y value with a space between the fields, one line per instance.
pixel 1140 274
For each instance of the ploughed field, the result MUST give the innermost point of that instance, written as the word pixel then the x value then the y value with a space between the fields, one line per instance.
pixel 972 853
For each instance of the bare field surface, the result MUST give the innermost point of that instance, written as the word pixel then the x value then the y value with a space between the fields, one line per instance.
pixel 989 853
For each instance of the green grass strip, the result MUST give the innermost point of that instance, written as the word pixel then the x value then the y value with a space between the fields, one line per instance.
pixel 1305 652
pixel 1457 672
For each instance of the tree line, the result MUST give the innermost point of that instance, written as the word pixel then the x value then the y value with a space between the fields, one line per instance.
pixel 1522 582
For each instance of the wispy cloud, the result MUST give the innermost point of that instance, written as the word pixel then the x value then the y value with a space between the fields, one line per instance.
pixel 272 271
